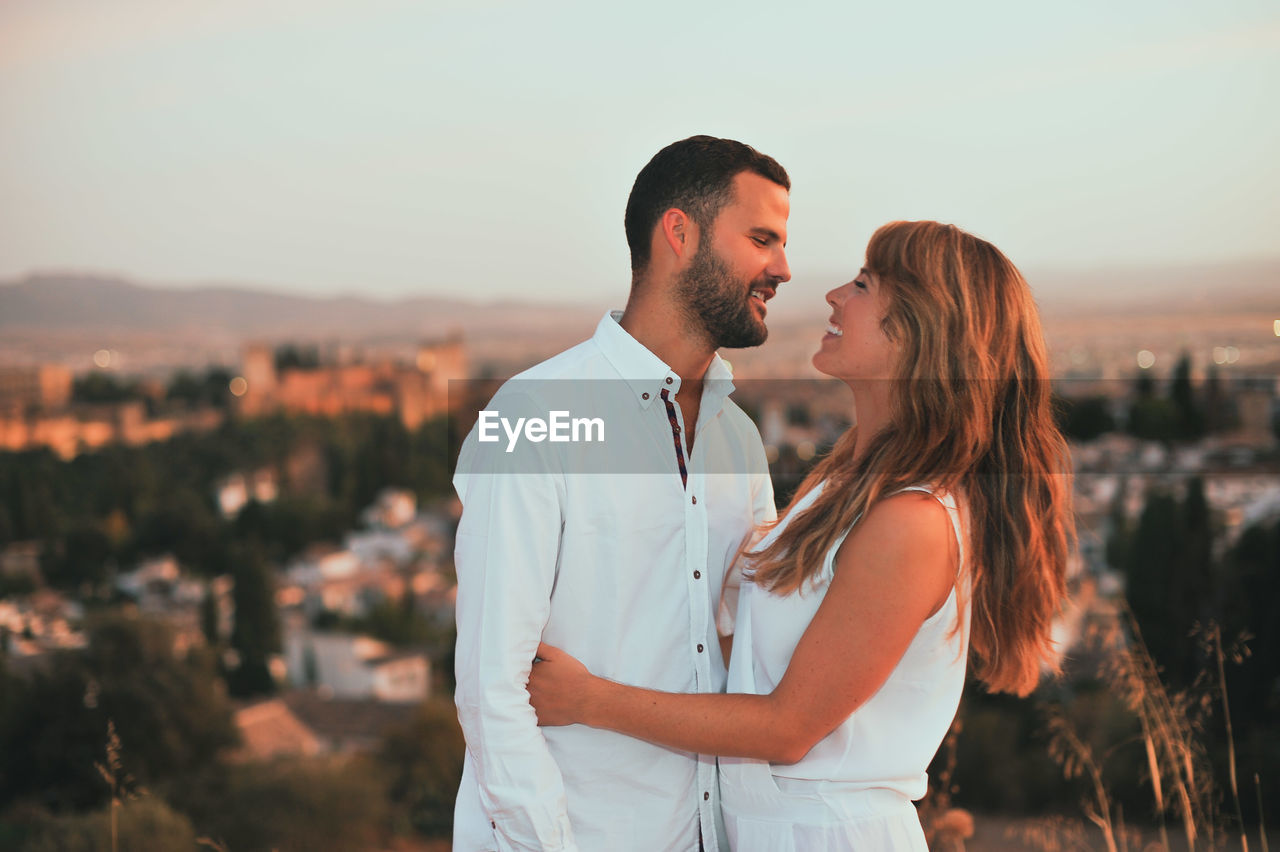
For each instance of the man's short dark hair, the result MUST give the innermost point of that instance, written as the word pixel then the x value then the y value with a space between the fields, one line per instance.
pixel 695 175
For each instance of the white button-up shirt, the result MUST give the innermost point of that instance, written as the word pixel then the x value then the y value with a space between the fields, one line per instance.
pixel 599 548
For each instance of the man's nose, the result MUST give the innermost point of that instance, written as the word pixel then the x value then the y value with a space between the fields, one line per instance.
pixel 778 268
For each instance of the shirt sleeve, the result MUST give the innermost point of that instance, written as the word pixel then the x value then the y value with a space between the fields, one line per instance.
pixel 506 550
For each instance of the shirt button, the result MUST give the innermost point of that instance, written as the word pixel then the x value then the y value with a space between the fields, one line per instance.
pixel 697 575
pixel 706 796
pixel 695 500
pixel 668 380
pixel 494 825
pixel 644 396
pixel 699 649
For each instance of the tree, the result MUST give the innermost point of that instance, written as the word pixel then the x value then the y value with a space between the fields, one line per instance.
pixel 1249 591
pixel 1189 417
pixel 255 634
pixel 144 823
pixel 291 356
pixel 424 763
pixel 213 389
pixel 84 556
pixel 318 805
pixel 210 617
pixel 182 522
pixel 1150 417
pixel 105 388
pixel 1119 533
pixel 1153 551
pixel 1220 414
pixel 170 713
pixel 1085 418
pixel 1170 578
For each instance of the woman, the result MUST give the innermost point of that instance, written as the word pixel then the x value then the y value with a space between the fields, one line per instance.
pixel 936 530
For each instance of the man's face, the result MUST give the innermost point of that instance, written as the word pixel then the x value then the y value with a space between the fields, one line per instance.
pixel 739 263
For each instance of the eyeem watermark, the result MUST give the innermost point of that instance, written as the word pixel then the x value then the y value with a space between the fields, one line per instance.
pixel 558 428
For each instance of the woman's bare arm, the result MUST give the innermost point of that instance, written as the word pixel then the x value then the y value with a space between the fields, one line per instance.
pixel 893 571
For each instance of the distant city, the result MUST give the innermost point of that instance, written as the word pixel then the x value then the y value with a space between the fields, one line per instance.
pixel 278 495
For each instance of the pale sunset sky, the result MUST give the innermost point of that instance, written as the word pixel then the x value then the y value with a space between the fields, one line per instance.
pixel 485 149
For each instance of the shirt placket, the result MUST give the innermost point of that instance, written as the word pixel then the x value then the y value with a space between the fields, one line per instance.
pixel 693 479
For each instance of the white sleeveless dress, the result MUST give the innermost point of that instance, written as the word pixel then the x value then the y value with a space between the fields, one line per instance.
pixel 854 789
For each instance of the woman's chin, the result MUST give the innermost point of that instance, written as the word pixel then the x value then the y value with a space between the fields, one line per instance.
pixel 819 363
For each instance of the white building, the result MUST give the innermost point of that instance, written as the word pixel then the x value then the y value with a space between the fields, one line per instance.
pixel 346 667
pixel 393 508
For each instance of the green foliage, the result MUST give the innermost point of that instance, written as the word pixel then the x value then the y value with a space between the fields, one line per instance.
pixel 1085 418
pixel 286 526
pixel 1153 418
pixel 1175 584
pixel 82 557
pixel 1190 422
pixel 34 496
pixel 1251 588
pixel 210 390
pixel 100 387
pixel 1221 414
pixel 121 504
pixel 170 713
pixel 255 634
pixel 1170 578
pixel 400 623
pixel 145 823
pixel 291 356
pixel 1152 551
pixel 184 524
pixel 15 584
pixel 999 731
pixel 423 762
pixel 1107 735
pixel 1181 415
pixel 289 805
pixel 1119 535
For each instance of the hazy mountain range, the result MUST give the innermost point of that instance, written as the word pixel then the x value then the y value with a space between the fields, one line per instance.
pixel 84 303
pixel 56 316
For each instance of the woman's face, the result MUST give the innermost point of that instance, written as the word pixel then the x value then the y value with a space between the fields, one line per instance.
pixel 855 347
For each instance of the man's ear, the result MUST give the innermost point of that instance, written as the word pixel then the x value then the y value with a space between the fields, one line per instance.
pixel 678 232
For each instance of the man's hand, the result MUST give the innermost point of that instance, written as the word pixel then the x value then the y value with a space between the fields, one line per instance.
pixel 559 687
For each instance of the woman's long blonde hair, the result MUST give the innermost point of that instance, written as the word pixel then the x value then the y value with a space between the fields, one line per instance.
pixel 970 414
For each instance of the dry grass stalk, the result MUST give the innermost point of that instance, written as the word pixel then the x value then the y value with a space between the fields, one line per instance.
pixel 1051 834
pixel 1262 820
pixel 1239 651
pixel 1178 763
pixel 1076 758
pixel 1153 766
pixel 120 782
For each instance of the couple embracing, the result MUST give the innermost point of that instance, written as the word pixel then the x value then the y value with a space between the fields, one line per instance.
pixel 650 657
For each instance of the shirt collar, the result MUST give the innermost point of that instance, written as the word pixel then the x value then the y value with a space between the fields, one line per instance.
pixel 648 375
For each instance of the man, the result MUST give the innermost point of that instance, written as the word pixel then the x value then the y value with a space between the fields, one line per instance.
pixel 617 551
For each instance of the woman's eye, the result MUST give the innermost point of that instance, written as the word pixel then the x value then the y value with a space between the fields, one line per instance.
pixel 861 285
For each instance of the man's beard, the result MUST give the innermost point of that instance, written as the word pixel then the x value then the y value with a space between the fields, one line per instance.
pixel 713 300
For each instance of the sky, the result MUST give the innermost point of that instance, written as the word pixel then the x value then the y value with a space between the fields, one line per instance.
pixel 484 149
